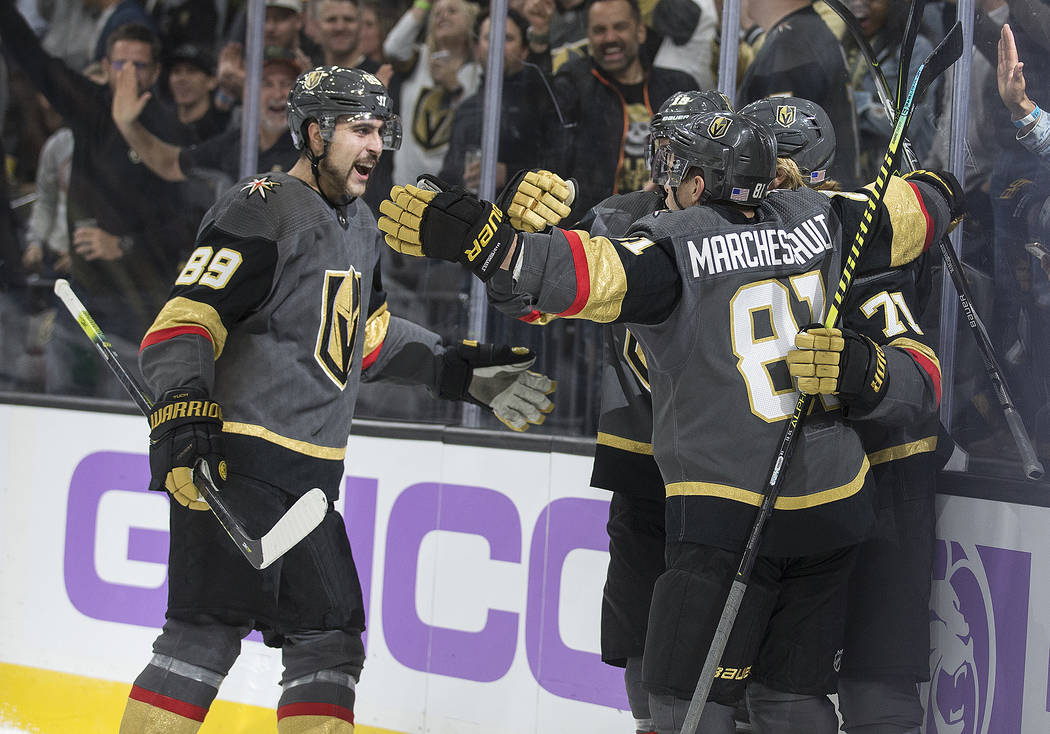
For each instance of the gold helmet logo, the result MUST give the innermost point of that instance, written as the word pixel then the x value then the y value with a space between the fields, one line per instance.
pixel 719 127
pixel 314 78
pixel 222 470
pixel 786 115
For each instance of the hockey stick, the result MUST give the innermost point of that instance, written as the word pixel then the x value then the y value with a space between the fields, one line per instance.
pixel 911 32
pixel 1033 468
pixel 294 525
pixel 942 57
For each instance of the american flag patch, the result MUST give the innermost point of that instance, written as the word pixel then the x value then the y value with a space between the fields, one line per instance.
pixel 818 176
pixel 739 194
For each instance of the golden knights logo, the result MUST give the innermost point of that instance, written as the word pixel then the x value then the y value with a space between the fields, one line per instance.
pixel 786 115
pixel 312 79
pixel 635 359
pixel 719 127
pixel 340 314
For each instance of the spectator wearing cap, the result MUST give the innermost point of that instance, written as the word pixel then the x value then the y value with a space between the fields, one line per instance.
pixel 112 15
pixel 127 226
pixel 219 156
pixel 191 78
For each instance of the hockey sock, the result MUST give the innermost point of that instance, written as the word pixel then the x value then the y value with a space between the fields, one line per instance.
pixel 637 697
pixel 775 711
pixel 318 703
pixel 169 697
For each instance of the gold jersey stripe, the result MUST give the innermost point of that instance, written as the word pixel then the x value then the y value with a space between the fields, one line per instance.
pixel 904 450
pixel 180 311
pixel 332 453
pixel 625 444
pixel 749 497
pixel 908 220
pixel 608 280
pixel 917 346
pixel 375 329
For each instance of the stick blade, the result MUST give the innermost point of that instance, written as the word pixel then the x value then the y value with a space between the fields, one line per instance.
pixel 305 515
pixel 940 59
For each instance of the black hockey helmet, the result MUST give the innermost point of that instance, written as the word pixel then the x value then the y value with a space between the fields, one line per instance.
pixel 736 154
pixel 803 131
pixel 330 92
pixel 677 109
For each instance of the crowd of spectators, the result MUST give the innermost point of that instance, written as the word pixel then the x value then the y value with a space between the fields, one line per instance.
pixel 122 120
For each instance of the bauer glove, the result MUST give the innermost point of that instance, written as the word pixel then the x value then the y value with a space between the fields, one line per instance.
pixel 840 362
pixel 449 224
pixel 497 377
pixel 535 200
pixel 185 426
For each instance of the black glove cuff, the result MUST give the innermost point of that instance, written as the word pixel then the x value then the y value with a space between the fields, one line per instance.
pixel 455 374
pixel 181 406
pixel 506 195
pixel 864 378
pixel 478 228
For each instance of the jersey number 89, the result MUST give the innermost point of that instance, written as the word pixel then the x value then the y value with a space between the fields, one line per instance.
pixel 206 269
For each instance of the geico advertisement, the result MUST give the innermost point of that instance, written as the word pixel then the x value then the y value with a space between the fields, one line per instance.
pixel 482 572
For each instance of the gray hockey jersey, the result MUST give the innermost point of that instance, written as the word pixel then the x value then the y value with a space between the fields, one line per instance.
pixel 715 299
pixel 278 314
pixel 623 455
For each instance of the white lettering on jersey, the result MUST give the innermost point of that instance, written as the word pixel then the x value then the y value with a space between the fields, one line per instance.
pixel 762 248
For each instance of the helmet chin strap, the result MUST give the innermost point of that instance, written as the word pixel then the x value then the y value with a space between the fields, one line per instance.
pixel 314 161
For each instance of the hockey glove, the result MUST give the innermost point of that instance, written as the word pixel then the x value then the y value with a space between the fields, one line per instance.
pixel 535 200
pixel 948 186
pixel 452 224
pixel 840 362
pixel 497 377
pixel 185 426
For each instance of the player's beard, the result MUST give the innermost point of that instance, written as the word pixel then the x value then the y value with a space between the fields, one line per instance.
pixel 342 180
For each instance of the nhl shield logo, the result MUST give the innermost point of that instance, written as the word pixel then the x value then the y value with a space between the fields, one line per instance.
pixel 719 127
pixel 312 79
pixel 340 313
pixel 786 115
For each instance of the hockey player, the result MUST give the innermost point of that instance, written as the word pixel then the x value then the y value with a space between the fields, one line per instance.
pixel 623 455
pixel 255 361
pixel 715 293
pixel 887 643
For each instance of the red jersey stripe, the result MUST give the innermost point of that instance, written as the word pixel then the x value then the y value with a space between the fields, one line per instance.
pixel 929 225
pixel 315 709
pixel 175 706
pixel 369 359
pixel 160 335
pixel 931 369
pixel 583 273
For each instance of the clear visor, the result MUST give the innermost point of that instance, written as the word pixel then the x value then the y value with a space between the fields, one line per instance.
pixel 668 168
pixel 655 143
pixel 389 130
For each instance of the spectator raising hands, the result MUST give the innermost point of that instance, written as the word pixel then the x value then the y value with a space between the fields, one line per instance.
pixel 1033 126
